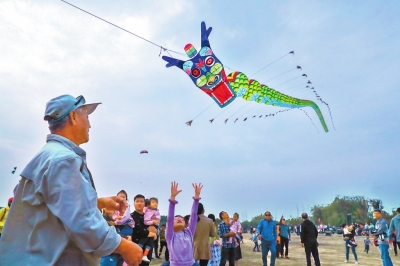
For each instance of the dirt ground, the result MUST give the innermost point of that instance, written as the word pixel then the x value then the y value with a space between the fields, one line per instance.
pixel 331 250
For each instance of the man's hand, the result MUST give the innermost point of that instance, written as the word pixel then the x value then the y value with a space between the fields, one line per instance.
pixel 259 237
pixel 230 234
pixel 130 252
pixel 114 203
pixel 302 245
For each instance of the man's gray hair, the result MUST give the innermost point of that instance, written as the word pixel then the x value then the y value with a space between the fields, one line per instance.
pixel 62 123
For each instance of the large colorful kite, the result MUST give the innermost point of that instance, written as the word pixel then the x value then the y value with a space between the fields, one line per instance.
pixel 207 73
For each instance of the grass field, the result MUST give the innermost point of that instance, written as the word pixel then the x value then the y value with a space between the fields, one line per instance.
pixel 331 250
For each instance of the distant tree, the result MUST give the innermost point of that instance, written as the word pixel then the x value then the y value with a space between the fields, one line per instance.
pixel 342 210
pixel 163 219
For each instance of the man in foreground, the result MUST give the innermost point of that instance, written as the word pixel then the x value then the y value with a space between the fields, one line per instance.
pixel 55 217
pixel 308 236
pixel 266 231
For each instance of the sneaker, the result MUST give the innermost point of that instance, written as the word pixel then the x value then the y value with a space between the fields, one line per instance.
pixel 346 261
pixel 145 259
pixel 287 257
pixel 356 262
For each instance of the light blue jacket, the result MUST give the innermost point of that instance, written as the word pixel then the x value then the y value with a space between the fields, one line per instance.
pixel 267 230
pixel 381 227
pixel 395 224
pixel 54 219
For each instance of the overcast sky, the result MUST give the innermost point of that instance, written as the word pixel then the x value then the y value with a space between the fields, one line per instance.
pixel 285 164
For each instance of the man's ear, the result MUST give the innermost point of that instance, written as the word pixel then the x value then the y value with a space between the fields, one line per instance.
pixel 72 117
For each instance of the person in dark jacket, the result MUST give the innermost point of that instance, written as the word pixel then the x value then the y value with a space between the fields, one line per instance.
pixel 308 238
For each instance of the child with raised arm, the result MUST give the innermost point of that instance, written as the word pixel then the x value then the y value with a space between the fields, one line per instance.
pixel 180 238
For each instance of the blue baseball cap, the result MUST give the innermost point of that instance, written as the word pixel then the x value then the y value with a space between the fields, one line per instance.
pixel 58 108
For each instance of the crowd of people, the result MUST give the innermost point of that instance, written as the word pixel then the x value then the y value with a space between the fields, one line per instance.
pixel 56 218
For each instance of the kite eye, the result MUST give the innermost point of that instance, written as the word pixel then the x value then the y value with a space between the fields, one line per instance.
pixel 196 72
pixel 210 61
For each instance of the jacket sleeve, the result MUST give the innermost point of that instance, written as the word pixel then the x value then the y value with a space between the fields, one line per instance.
pixel 221 231
pixel 259 227
pixel 70 196
pixel 302 234
pixel 169 231
pixel 391 227
pixel 193 215
pixel 316 232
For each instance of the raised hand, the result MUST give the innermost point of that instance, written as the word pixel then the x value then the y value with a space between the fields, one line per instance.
pixel 197 190
pixel 174 190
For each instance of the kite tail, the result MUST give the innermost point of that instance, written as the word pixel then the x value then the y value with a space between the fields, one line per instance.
pixel 252 90
pixel 305 103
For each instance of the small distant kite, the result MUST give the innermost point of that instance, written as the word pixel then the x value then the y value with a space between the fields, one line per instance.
pixel 13 171
pixel 143 151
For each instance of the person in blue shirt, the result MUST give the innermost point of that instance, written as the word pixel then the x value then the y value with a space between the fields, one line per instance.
pixel 395 227
pixel 266 231
pixel 285 237
pixel 381 234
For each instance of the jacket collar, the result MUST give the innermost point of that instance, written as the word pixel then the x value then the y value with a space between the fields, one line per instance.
pixel 67 143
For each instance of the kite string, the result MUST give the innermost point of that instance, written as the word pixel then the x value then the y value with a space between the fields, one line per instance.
pixel 162 48
pixel 309 118
pixel 225 109
pixel 203 111
pixel 269 64
pixel 281 74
